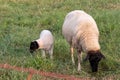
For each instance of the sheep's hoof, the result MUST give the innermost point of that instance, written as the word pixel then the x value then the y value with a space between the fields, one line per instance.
pixel 79 70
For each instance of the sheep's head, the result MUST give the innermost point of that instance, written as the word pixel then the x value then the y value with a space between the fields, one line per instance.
pixel 33 46
pixel 94 58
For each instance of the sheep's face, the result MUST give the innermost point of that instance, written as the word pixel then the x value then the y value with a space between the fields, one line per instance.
pixel 33 46
pixel 94 58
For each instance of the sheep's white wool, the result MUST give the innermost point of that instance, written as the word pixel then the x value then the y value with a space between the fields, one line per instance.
pixel 46 40
pixel 81 31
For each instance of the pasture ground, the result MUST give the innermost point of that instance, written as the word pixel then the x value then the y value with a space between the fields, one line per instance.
pixel 22 20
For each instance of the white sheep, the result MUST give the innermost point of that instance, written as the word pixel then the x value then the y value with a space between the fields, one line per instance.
pixel 45 43
pixel 81 32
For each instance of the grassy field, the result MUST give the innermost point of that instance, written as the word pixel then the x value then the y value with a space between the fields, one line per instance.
pixel 21 21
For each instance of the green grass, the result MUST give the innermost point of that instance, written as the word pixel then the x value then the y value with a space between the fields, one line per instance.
pixel 21 21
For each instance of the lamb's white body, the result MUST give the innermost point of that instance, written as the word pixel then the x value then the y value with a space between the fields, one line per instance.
pixel 46 42
pixel 81 32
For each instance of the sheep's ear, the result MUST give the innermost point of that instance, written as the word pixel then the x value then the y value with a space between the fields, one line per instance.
pixel 86 58
pixel 101 55
pixel 97 53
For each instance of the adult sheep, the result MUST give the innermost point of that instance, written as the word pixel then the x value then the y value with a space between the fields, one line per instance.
pixel 45 43
pixel 81 32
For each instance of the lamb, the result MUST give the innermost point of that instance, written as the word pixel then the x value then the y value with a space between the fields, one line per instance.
pixel 81 32
pixel 45 43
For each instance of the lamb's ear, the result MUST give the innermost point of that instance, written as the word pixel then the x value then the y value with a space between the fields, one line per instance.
pixel 36 45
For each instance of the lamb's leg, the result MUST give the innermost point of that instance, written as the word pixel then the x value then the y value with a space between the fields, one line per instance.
pixel 72 54
pixel 79 59
pixel 43 54
pixel 51 53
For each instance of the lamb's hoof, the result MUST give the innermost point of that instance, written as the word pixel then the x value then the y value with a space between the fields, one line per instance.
pixel 51 58
pixel 73 64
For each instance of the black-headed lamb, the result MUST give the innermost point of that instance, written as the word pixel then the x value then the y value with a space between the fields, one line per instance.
pixel 45 43
pixel 81 32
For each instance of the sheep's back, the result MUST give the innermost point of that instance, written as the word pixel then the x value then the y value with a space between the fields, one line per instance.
pixel 78 25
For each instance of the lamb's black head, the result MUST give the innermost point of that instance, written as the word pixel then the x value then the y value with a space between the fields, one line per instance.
pixel 94 58
pixel 33 46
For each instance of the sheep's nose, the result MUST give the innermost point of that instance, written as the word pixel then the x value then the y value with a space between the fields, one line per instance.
pixel 31 51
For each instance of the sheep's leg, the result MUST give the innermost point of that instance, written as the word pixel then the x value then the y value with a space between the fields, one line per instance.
pixel 43 54
pixel 51 53
pixel 79 59
pixel 86 58
pixel 72 54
